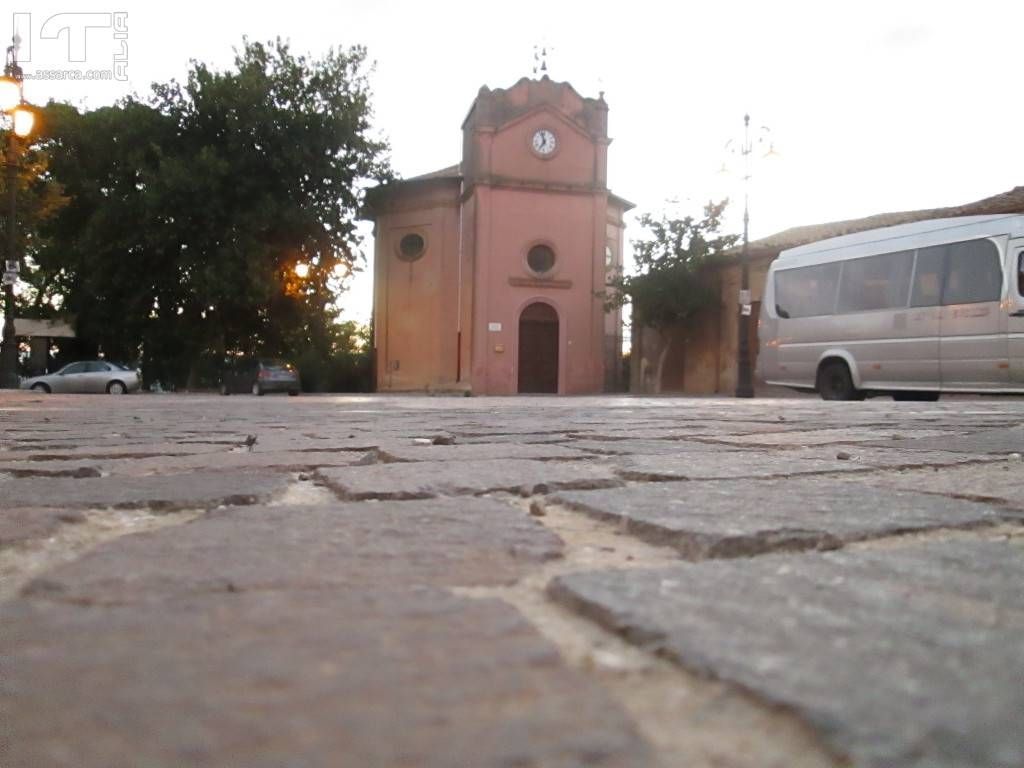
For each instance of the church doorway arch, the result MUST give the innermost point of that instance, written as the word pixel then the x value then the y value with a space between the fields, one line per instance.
pixel 538 349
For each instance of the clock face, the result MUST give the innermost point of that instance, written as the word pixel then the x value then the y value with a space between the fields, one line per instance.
pixel 544 142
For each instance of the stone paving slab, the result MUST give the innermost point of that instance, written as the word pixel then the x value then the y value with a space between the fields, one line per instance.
pixel 999 482
pixel 727 519
pixel 59 468
pixel 283 461
pixel 194 490
pixel 435 478
pixel 86 451
pixel 479 452
pixel 278 441
pixel 898 657
pixel 801 437
pixel 644 447
pixel 712 465
pixel 18 526
pixel 999 440
pixel 300 679
pixel 890 458
pixel 449 542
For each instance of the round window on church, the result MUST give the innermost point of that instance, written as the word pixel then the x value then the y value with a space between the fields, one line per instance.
pixel 411 247
pixel 540 259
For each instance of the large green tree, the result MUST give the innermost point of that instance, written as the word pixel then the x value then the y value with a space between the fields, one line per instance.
pixel 190 213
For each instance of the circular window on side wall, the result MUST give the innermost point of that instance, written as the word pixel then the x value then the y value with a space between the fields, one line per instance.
pixel 412 247
pixel 540 259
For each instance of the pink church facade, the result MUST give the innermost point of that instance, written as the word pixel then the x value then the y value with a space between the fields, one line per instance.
pixel 488 274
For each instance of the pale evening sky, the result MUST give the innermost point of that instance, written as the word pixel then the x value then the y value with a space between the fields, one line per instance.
pixel 874 106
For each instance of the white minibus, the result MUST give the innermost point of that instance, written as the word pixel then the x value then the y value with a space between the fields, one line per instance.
pixel 910 311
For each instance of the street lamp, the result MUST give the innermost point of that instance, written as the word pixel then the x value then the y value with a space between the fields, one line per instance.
pixel 22 118
pixel 744 372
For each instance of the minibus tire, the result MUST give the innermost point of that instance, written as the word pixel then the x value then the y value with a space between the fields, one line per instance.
pixel 836 383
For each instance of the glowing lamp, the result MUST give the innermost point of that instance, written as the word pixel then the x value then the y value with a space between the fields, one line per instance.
pixel 24 119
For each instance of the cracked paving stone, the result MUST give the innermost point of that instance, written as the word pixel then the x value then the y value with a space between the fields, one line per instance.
pixel 399 677
pixel 718 518
pixel 435 478
pixel 196 489
pixel 905 657
pixel 446 542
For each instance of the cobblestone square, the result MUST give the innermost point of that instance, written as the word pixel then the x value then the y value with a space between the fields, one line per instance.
pixel 190 580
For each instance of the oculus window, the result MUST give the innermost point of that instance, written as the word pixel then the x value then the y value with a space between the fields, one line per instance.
pixel 411 247
pixel 540 259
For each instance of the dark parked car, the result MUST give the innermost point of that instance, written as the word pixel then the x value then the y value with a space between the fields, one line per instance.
pixel 259 377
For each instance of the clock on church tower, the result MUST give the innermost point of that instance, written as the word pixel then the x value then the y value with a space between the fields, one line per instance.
pixel 486 272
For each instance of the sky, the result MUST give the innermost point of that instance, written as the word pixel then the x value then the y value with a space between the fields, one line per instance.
pixel 871 106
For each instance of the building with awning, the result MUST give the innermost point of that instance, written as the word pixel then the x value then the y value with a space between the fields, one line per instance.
pixel 40 334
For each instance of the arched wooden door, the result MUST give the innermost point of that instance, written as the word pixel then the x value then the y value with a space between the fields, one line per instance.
pixel 538 349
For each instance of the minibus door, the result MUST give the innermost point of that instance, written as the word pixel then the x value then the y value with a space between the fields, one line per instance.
pixel 973 347
pixel 1015 322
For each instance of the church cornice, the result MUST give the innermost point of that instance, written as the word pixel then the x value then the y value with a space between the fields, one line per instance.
pixel 502 182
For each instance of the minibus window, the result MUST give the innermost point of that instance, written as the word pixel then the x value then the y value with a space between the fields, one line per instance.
pixel 807 291
pixel 973 273
pixel 1020 273
pixel 877 282
pixel 928 277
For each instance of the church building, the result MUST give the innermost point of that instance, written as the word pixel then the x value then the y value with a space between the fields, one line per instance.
pixel 488 275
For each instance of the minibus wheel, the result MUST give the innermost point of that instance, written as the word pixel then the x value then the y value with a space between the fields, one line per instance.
pixel 836 383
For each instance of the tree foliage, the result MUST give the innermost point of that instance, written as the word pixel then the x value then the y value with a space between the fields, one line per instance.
pixel 189 212
pixel 673 279
pixel 39 199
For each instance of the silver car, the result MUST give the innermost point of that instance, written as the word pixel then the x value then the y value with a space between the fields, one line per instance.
pixel 89 377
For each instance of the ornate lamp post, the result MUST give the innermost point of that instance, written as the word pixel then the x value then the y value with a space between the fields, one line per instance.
pixel 21 118
pixel 744 371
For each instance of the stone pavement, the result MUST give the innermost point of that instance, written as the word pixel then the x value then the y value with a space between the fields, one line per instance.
pixel 534 582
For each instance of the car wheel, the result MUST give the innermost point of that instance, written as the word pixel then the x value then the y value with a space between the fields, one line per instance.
pixel 116 388
pixel 293 393
pixel 257 389
pixel 40 387
pixel 224 390
pixel 836 383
